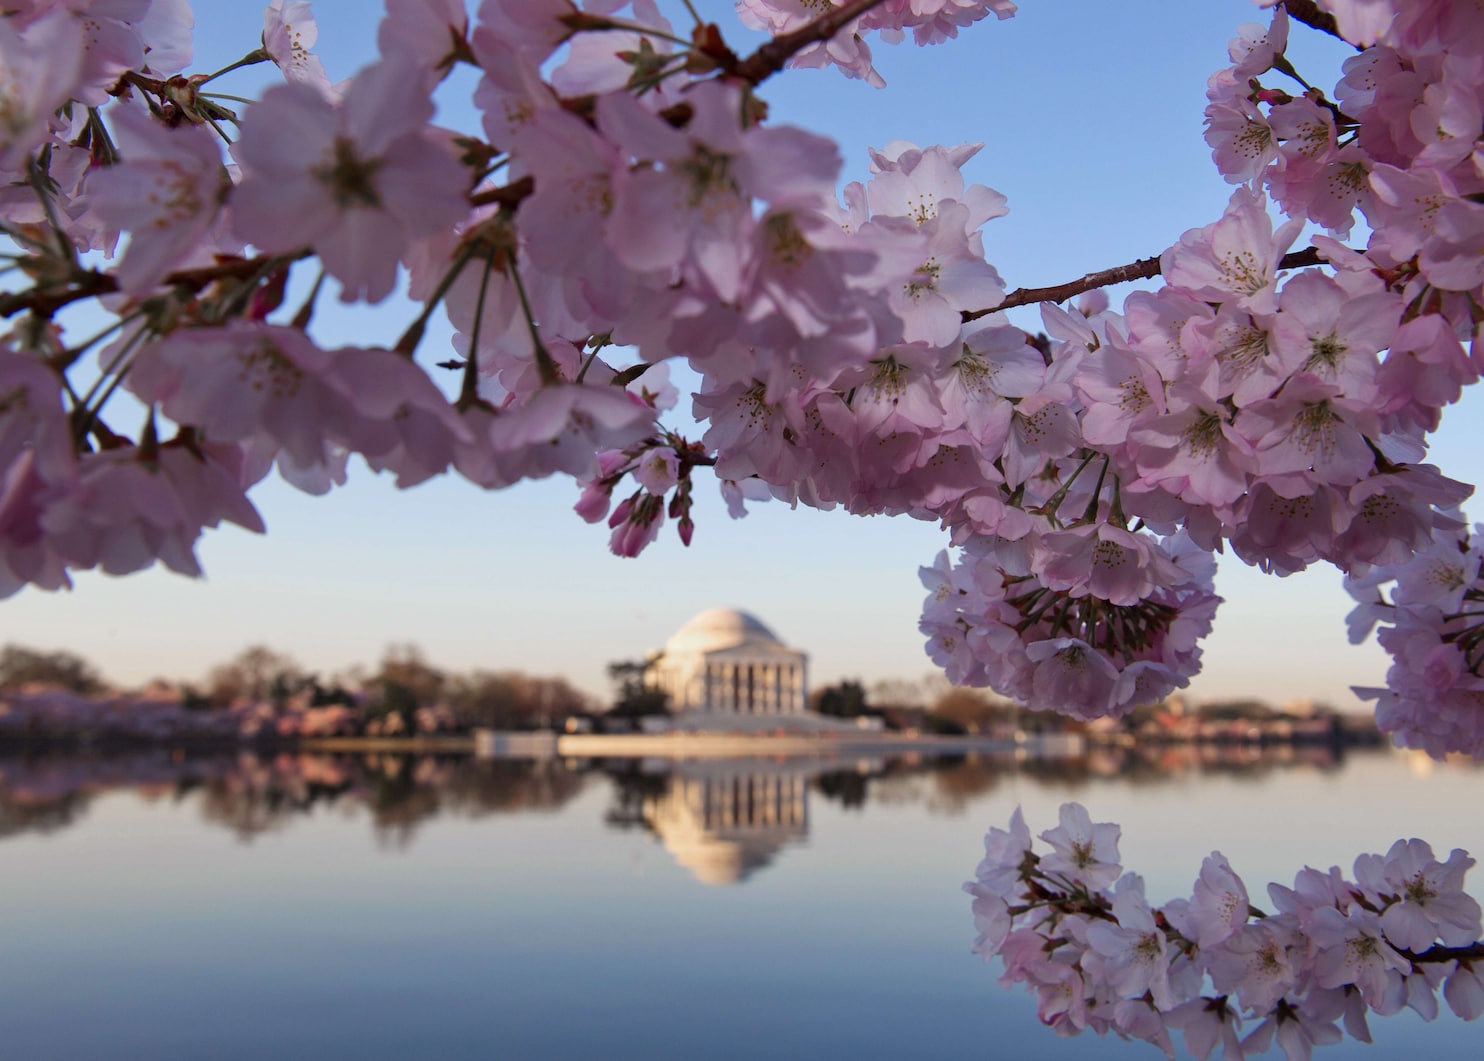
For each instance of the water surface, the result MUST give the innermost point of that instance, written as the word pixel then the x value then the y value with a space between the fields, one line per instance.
pixel 165 906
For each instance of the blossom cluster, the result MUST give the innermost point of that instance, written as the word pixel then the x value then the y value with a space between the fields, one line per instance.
pixel 1081 934
pixel 1432 626
pixel 931 22
pixel 624 202
pixel 1285 418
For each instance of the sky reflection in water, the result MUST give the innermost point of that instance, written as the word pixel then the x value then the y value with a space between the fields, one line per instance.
pixel 328 907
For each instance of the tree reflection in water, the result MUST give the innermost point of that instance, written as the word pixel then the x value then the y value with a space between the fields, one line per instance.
pixel 747 809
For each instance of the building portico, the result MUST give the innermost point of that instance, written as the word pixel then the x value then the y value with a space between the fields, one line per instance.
pixel 726 660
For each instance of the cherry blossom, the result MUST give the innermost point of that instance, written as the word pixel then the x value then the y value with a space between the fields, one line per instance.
pixel 40 65
pixel 355 180
pixel 167 193
pixel 1333 952
pixel 289 31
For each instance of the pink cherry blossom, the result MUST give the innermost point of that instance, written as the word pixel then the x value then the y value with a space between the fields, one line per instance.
pixel 128 509
pixel 289 32
pixel 27 556
pixel 691 210
pixel 1133 947
pixel 40 66
pixel 1255 46
pixel 1085 852
pixel 1424 898
pixel 427 29
pixel 1235 258
pixel 32 419
pixel 1103 957
pixel 251 382
pixel 167 193
pixel 355 180
pixel 1219 905
pixel 658 470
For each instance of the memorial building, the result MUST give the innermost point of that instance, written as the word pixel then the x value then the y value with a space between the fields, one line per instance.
pixel 725 660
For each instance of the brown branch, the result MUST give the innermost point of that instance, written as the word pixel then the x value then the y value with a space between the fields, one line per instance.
pixel 508 196
pixel 756 68
pixel 769 59
pixel 45 301
pixel 1471 953
pixel 1309 13
pixel 1143 269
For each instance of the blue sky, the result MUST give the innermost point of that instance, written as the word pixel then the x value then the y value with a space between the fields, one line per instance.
pixel 1090 113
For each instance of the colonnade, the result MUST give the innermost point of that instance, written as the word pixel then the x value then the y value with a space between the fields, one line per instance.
pixel 758 688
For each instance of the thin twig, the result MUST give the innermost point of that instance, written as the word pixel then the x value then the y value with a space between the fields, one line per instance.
pixel 45 301
pixel 771 57
pixel 469 386
pixel 1309 13
pixel 508 196
pixel 1143 269
pixel 1439 953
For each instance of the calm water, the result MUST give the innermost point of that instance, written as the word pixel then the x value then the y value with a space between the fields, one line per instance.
pixel 385 907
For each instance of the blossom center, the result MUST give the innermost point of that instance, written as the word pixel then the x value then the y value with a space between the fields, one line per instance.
pixel 1326 352
pixel 786 243
pixel 1248 349
pixel 925 279
pixel 1314 429
pixel 350 178
pixel 1134 396
pixel 709 174
pixel 1203 436
pixel 976 373
pixel 266 368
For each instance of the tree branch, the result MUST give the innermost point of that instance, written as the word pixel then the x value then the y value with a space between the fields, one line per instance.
pixel 509 196
pixel 769 59
pixel 1436 954
pixel 46 300
pixel 1308 12
pixel 1143 269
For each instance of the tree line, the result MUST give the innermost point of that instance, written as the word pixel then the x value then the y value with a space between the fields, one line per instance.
pixel 401 682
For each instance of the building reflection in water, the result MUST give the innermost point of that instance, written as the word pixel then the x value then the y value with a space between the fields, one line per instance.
pixel 723 827
pixel 721 820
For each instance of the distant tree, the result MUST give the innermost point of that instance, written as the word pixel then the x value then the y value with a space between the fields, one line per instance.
pixel 406 666
pixel 970 709
pixel 394 698
pixel 512 700
pixel 545 701
pixel 256 673
pixel 633 698
pixel 21 666
pixel 1238 711
pixel 902 693
pixel 940 726
pixel 846 699
pixel 482 700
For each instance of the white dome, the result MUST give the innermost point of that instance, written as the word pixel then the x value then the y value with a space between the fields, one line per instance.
pixel 719 628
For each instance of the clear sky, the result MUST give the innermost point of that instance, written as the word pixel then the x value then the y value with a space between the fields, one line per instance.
pixel 1091 116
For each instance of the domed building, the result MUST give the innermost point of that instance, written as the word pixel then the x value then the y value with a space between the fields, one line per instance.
pixel 726 660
